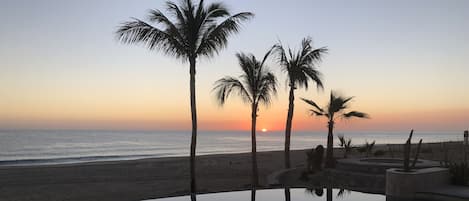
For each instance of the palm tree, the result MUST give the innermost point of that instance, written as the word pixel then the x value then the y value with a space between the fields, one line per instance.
pixel 300 69
pixel 189 32
pixel 256 85
pixel 346 144
pixel 335 108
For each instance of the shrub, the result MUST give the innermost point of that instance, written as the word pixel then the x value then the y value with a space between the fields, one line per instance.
pixel 426 150
pixel 459 173
pixel 379 153
pixel 346 144
pixel 369 147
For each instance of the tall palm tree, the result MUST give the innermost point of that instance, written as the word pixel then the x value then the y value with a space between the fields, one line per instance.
pixel 300 69
pixel 188 32
pixel 335 108
pixel 257 84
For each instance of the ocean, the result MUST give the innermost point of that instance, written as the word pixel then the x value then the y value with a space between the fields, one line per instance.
pixel 40 147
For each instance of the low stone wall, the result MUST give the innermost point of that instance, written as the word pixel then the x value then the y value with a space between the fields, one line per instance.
pixel 403 185
pixel 378 165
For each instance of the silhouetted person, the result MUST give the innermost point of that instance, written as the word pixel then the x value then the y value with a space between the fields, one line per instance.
pixel 318 158
pixel 319 192
pixel 315 158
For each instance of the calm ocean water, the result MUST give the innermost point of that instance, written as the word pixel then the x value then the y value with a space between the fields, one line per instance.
pixel 58 147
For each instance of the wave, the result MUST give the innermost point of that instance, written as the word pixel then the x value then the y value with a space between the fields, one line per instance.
pixel 73 160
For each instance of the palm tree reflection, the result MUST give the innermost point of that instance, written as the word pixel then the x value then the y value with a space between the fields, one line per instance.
pixel 193 197
pixel 253 194
pixel 329 194
pixel 287 194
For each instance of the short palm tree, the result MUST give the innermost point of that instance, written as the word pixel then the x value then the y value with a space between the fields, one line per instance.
pixel 256 85
pixel 335 108
pixel 189 32
pixel 300 69
pixel 346 144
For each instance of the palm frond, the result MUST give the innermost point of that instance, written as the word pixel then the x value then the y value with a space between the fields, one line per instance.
pixel 216 37
pixel 312 103
pixel 267 87
pixel 267 54
pixel 216 10
pixel 188 31
pixel 338 103
pixel 356 114
pixel 258 82
pixel 342 141
pixel 176 11
pixel 140 32
pixel 314 75
pixel 317 113
pixel 300 64
pixel 315 56
pixel 225 86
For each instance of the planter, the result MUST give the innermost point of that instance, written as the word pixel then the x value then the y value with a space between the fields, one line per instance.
pixel 378 165
pixel 402 185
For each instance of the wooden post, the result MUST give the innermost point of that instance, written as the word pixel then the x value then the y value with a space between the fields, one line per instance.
pixel 466 144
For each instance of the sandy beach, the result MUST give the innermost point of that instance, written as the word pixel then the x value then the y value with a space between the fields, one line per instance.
pixel 137 179
pixel 155 178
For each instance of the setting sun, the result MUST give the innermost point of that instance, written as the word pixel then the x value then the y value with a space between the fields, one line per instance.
pixel 264 130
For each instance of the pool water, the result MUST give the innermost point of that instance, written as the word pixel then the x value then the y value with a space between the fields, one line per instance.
pixel 296 194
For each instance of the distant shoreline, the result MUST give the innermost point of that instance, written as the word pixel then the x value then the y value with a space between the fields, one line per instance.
pixel 121 158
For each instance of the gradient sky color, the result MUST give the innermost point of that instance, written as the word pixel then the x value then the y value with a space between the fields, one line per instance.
pixel 61 67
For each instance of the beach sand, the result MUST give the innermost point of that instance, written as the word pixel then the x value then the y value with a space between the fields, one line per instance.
pixel 137 179
pixel 153 178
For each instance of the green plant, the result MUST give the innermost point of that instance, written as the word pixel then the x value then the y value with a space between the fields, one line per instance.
pixel 445 161
pixel 361 149
pixel 417 153
pixel 334 109
pixel 407 167
pixel 188 31
pixel 346 144
pixel 459 173
pixel 426 150
pixel 379 153
pixel 256 85
pixel 342 192
pixel 369 147
pixel 391 151
pixel 366 148
pixel 300 69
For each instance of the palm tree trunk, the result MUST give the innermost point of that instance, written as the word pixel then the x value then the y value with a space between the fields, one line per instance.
pixel 287 194
pixel 192 62
pixel 329 194
pixel 253 194
pixel 330 144
pixel 254 149
pixel 193 197
pixel 291 106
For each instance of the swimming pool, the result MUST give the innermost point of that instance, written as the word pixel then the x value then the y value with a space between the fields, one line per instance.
pixel 295 194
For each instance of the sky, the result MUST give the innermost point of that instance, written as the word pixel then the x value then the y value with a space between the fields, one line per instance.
pixel 405 62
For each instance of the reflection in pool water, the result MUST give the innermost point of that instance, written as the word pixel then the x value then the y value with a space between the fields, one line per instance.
pixel 294 194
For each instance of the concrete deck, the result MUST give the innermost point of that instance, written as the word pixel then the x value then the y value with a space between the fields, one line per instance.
pixel 446 193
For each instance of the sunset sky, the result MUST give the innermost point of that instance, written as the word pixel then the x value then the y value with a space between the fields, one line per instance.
pixel 406 63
